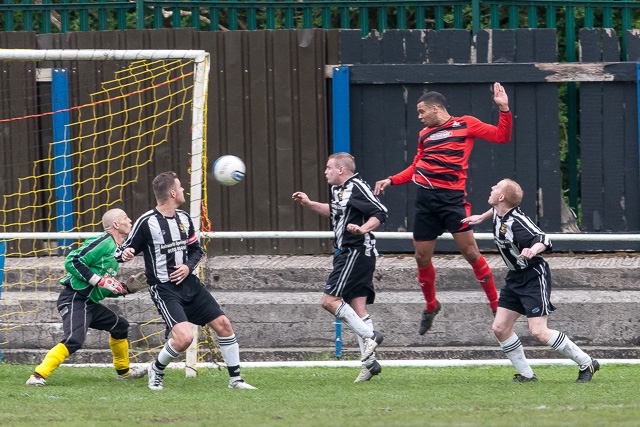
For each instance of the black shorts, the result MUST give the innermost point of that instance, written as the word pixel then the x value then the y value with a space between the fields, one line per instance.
pixel 528 291
pixel 80 313
pixel 188 301
pixel 438 211
pixel 352 275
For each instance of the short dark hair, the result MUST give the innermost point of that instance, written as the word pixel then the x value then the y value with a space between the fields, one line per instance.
pixel 164 183
pixel 433 98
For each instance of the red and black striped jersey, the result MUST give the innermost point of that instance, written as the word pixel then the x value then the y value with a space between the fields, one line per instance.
pixel 443 151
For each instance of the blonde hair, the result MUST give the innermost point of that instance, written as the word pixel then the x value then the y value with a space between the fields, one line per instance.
pixel 345 160
pixel 512 192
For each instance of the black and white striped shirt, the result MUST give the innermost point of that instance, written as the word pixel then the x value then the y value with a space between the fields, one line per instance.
pixel 514 232
pixel 165 242
pixel 353 202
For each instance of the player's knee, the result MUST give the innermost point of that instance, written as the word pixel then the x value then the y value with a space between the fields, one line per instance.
pixel 121 330
pixel 539 333
pixel 181 342
pixel 500 330
pixel 223 326
pixel 423 260
pixel 471 254
pixel 73 345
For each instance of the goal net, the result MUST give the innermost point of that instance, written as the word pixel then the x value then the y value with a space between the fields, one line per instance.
pixel 84 131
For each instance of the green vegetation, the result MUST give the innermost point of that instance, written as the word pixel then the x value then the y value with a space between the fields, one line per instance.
pixel 467 396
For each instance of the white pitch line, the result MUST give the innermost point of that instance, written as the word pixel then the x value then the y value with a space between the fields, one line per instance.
pixel 390 363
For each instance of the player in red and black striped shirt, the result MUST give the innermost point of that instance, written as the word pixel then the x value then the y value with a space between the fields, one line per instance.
pixel 440 171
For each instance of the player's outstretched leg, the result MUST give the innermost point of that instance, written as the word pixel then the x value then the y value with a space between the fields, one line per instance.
pixel 51 361
pixel 427 280
pixel 230 351
pixel 563 345
pixel 120 350
pixel 513 349
pixel 485 279
pixel 371 367
pixel 155 370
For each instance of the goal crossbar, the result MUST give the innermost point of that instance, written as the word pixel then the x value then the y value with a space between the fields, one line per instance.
pixel 100 54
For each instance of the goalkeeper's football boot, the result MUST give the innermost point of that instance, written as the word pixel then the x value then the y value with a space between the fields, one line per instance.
pixel 585 375
pixel 134 374
pixel 36 381
pixel 517 378
pixel 370 345
pixel 156 377
pixel 368 371
pixel 427 319
pixel 239 383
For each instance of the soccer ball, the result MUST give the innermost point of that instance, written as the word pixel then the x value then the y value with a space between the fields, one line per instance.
pixel 229 170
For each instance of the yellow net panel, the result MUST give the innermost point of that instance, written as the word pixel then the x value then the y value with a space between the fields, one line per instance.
pixel 112 140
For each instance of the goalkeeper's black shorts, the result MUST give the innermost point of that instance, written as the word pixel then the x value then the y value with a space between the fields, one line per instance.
pixel 189 301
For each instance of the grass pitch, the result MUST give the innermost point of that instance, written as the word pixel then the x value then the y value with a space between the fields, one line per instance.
pixel 321 396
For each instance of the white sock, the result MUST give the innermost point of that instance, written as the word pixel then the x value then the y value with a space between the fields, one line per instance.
pixel 230 351
pixel 367 320
pixel 563 345
pixel 513 349
pixel 167 355
pixel 349 316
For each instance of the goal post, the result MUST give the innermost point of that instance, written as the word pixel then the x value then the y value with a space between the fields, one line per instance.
pixel 89 161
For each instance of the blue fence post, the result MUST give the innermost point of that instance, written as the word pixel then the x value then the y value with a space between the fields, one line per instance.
pixel 3 250
pixel 338 338
pixel 62 154
pixel 341 119
pixel 341 142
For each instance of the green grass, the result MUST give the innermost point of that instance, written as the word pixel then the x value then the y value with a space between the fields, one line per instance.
pixel 402 396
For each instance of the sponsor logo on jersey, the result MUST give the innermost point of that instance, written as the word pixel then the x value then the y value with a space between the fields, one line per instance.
pixel 443 134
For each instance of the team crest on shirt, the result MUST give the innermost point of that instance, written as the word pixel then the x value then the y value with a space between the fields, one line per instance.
pixel 341 195
pixel 456 124
pixel 182 229
pixel 443 134
pixel 503 228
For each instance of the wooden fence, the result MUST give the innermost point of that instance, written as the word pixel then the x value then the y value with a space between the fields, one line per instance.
pixel 270 103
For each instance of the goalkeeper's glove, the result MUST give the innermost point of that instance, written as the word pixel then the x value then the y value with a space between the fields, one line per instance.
pixel 136 283
pixel 112 285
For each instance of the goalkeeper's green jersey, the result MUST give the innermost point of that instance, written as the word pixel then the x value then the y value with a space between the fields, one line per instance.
pixel 90 262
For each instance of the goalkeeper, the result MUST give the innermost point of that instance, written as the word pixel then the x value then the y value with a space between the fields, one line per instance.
pixel 90 279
